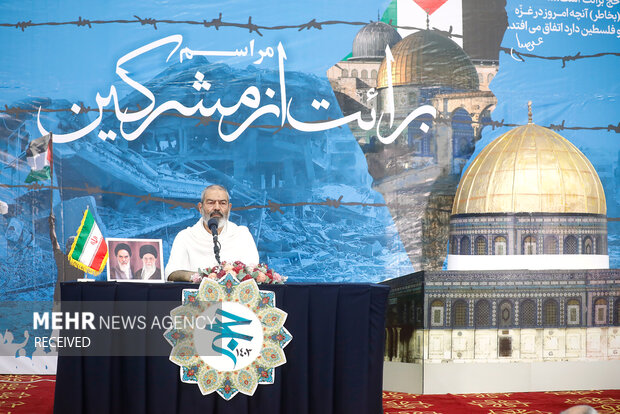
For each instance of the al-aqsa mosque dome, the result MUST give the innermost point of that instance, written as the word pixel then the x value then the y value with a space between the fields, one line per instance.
pixel 371 40
pixel 529 200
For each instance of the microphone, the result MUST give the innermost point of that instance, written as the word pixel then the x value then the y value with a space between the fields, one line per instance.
pixel 212 224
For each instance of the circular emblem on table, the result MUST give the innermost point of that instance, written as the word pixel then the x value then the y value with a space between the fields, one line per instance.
pixel 228 336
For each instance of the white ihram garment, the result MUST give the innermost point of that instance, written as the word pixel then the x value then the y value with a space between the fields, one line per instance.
pixel 193 248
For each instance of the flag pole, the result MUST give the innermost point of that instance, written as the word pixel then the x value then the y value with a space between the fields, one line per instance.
pixel 50 149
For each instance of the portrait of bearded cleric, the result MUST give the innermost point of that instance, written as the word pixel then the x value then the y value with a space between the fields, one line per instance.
pixel 135 260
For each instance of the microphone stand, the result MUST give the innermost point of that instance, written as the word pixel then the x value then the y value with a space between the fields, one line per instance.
pixel 216 247
pixel 213 225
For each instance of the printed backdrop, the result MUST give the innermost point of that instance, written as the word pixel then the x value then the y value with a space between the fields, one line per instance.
pixel 148 104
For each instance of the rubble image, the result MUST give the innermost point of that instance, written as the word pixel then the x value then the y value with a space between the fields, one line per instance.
pixel 307 201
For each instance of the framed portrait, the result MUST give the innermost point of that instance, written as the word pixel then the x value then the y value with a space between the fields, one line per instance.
pixel 135 260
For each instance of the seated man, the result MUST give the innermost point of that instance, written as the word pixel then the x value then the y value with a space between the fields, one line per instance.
pixel 193 247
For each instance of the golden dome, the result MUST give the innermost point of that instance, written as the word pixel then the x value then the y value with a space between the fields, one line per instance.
pixel 530 169
pixel 427 58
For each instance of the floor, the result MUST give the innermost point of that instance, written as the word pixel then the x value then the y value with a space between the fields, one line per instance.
pixel 34 394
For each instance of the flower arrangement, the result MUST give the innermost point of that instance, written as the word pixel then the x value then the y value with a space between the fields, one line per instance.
pixel 261 273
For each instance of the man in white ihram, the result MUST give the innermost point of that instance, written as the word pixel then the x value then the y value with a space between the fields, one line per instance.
pixel 193 247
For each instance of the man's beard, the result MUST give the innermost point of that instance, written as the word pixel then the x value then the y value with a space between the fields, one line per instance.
pixel 124 267
pixel 148 270
pixel 221 220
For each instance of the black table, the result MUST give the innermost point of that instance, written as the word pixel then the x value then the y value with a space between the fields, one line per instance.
pixel 334 362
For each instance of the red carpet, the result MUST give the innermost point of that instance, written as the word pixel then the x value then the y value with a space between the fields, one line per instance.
pixel 34 394
pixel 505 403
pixel 27 394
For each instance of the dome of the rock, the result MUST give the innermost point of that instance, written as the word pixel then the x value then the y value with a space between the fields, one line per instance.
pixel 427 58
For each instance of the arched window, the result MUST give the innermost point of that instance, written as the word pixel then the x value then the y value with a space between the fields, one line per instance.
pixel 527 314
pixel 550 245
pixel 490 77
pixel 481 245
pixel 453 245
pixel 459 314
pixel 437 313
pixel 463 143
pixel 587 247
pixel 345 73
pixel 354 73
pixel 499 245
pixel 373 74
pixel 482 314
pixel 599 245
pixel 573 312
pixel 600 311
pixel 505 314
pixel 570 245
pixel 550 313
pixel 364 73
pixel 465 247
pixel 529 245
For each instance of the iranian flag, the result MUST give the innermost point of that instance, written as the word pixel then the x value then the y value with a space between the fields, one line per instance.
pixel 89 251
pixel 39 158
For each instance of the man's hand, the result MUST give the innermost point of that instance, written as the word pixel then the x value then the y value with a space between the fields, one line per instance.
pixel 181 276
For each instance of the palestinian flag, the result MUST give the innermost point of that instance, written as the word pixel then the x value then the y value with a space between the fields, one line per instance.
pixel 89 251
pixel 441 14
pixel 39 157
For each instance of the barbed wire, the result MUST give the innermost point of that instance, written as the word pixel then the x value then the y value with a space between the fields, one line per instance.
pixel 555 127
pixel 204 120
pixel 257 28
pixel 147 198
pixel 564 59
pixel 216 23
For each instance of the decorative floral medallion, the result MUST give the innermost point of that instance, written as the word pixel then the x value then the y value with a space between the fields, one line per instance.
pixel 228 336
